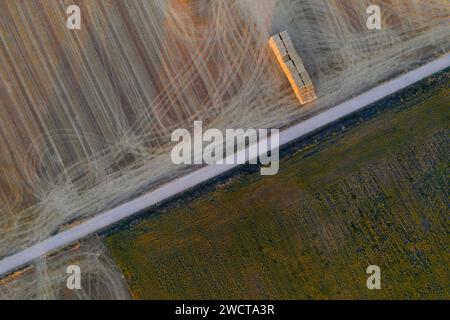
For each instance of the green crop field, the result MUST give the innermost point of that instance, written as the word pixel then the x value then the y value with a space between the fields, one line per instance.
pixel 371 190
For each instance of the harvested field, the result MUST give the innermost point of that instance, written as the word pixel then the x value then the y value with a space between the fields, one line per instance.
pixel 86 116
pixel 47 278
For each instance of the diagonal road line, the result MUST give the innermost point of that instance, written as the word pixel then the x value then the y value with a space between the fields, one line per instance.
pixel 197 177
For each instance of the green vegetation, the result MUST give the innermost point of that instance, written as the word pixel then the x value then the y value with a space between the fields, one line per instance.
pixel 366 192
